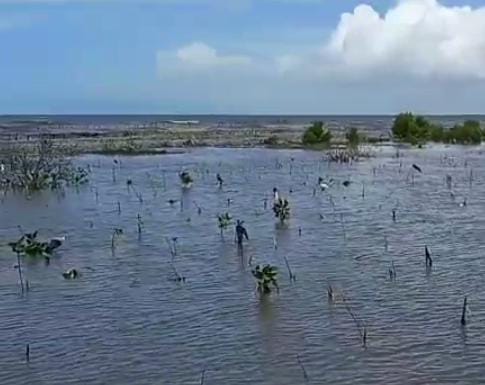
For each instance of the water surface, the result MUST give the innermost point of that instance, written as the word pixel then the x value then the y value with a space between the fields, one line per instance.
pixel 126 321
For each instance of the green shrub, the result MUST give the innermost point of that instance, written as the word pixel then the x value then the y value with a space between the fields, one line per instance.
pixel 317 133
pixel 416 129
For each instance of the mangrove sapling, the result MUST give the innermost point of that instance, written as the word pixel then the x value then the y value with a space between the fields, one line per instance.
pixel 117 232
pixel 266 278
pixel 30 246
pixel 27 353
pixel 290 273
pixel 119 207
pixel 223 222
pixel 281 209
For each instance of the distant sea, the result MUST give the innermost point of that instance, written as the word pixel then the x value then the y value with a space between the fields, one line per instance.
pixel 24 124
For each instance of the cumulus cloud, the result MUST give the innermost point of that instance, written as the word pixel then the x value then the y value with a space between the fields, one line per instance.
pixel 418 37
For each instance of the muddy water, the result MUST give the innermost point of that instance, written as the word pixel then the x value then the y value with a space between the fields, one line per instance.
pixel 126 321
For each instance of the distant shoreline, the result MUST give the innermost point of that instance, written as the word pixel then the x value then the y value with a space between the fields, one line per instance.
pixel 166 140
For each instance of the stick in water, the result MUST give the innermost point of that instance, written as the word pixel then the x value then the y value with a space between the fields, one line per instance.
pixel 292 276
pixel 305 375
pixel 20 272
pixel 202 377
pixel 463 313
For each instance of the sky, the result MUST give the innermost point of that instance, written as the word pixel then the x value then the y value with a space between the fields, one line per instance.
pixel 242 56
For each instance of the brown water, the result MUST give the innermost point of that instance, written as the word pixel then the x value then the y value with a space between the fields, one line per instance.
pixel 127 322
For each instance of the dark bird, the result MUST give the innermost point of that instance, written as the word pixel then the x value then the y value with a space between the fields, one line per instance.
pixel 346 183
pixel 429 261
pixel 172 201
pixel 417 168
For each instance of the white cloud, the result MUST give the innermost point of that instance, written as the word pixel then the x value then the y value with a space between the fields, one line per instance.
pixel 418 37
pixel 201 56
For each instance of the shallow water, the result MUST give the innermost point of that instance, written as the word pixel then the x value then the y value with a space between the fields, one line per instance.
pixel 126 321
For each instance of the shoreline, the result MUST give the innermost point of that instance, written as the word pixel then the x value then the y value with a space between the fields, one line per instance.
pixel 171 140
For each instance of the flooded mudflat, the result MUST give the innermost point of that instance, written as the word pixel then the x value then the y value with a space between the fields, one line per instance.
pixel 127 320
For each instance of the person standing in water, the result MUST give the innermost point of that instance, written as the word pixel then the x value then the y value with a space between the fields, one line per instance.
pixel 241 233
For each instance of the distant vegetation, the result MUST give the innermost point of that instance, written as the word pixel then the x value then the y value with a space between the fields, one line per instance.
pixel 317 134
pixel 353 137
pixel 416 129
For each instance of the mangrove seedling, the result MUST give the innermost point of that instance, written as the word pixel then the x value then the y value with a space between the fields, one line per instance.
pixel 29 245
pixel 117 232
pixel 186 179
pixel 71 274
pixel 223 222
pixel 241 232
pixel 281 209
pixel 265 278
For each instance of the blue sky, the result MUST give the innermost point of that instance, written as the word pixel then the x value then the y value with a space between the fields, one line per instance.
pixel 242 56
